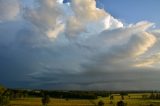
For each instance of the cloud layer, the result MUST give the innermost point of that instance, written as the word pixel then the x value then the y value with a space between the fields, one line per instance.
pixel 9 9
pixel 75 45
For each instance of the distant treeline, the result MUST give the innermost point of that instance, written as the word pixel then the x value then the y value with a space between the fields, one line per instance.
pixel 21 93
pixel 60 94
pixel 15 93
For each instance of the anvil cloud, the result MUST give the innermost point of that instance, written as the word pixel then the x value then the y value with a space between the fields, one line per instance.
pixel 75 45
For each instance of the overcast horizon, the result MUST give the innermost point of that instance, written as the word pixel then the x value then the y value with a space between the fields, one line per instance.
pixel 80 44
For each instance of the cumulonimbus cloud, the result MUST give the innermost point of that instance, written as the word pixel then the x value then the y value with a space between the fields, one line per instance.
pixel 9 9
pixel 70 45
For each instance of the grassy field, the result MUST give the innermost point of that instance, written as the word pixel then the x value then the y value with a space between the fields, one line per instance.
pixel 130 100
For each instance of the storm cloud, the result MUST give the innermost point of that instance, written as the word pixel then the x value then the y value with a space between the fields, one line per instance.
pixel 9 9
pixel 75 45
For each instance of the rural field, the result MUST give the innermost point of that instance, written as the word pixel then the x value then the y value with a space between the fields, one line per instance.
pixel 129 100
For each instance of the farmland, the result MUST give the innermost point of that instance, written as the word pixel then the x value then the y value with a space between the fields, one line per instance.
pixel 130 100
pixel 21 97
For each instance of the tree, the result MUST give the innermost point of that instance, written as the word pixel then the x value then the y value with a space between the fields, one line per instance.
pixel 45 100
pixel 122 97
pixel 151 105
pixel 2 90
pixel 100 103
pixel 123 94
pixel 4 100
pixel 110 102
pixel 152 96
pixel 4 97
pixel 120 103
pixel 111 97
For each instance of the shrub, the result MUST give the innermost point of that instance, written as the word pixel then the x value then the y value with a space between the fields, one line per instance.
pixel 45 100
pixel 100 103
pixel 120 103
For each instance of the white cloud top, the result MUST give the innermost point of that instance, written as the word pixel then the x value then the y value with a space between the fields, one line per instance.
pixel 9 9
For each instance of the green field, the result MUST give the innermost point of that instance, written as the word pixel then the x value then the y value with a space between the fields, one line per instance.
pixel 130 100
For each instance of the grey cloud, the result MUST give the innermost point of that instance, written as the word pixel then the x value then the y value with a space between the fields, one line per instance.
pixel 83 49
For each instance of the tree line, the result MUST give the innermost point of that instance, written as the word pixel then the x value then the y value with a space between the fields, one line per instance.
pixel 16 93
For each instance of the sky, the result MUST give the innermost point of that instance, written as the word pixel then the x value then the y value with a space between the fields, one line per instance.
pixel 132 11
pixel 80 44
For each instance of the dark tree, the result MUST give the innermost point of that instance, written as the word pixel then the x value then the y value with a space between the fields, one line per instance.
pixel 111 97
pixel 129 97
pixel 120 103
pixel 122 97
pixel 100 103
pixel 4 100
pixel 4 97
pixel 152 96
pixel 45 100
pixel 123 94
pixel 110 102
pixel 2 90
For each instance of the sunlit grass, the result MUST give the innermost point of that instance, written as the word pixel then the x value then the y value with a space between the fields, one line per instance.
pixel 133 100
